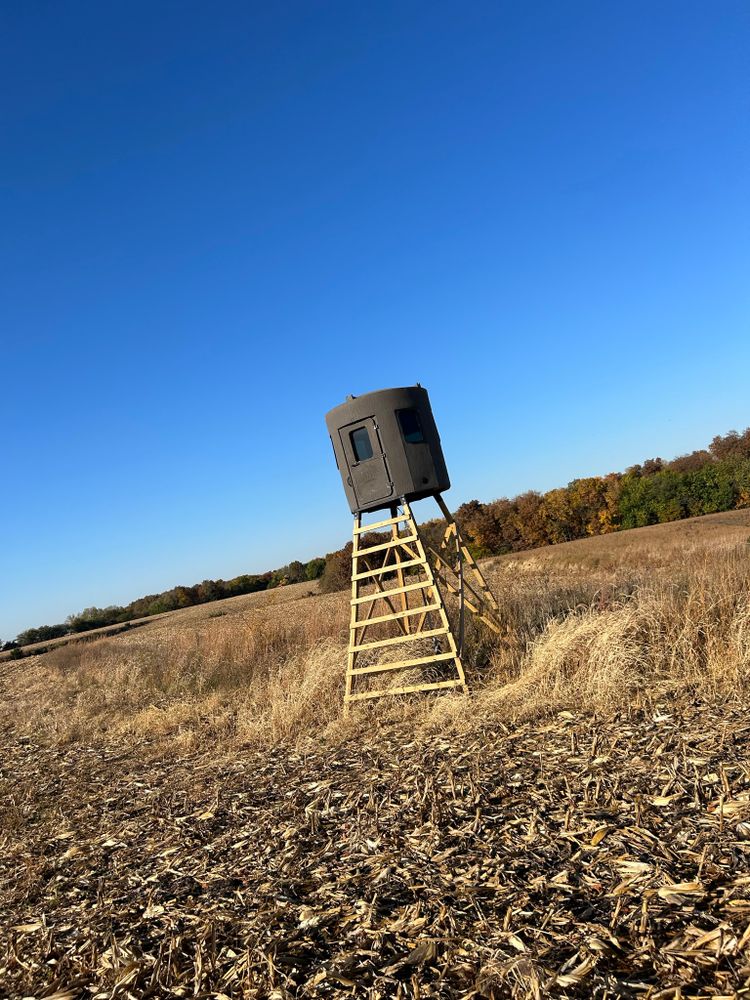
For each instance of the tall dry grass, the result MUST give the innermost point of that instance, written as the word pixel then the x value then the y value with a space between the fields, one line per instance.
pixel 579 635
pixel 640 637
pixel 257 673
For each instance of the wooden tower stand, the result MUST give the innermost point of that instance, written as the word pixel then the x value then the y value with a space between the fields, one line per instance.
pixel 395 587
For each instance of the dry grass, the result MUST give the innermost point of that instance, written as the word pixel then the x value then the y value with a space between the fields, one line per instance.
pixel 626 640
pixel 614 621
pixel 252 672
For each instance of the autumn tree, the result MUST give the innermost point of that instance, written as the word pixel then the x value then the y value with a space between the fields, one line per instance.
pixel 338 570
pixel 479 528
pixel 529 520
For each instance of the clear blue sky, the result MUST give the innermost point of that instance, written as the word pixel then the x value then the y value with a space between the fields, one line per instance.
pixel 219 219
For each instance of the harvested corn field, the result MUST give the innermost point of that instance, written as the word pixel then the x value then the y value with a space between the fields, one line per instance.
pixel 184 811
pixel 576 858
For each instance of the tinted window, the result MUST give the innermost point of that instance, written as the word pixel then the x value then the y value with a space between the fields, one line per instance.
pixel 411 426
pixel 361 444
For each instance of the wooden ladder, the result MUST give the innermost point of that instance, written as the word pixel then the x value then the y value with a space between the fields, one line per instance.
pixel 406 583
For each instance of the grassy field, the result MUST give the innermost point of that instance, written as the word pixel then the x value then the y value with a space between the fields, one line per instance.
pixel 184 811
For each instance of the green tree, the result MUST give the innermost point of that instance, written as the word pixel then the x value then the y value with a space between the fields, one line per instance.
pixel 208 590
pixel 41 634
pixel 94 618
pixel 314 569
pixel 637 508
pixel 668 491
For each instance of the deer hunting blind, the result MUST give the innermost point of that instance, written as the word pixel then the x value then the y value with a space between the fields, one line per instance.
pixel 387 448
pixel 388 452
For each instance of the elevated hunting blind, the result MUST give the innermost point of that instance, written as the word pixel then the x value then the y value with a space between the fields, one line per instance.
pixel 388 452
pixel 387 448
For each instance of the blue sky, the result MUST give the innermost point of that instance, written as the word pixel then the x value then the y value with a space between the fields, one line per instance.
pixel 219 219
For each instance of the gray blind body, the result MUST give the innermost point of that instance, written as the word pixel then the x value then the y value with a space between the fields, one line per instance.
pixel 398 468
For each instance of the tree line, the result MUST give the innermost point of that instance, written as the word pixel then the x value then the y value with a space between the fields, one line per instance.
pixel 704 482
pixel 713 479
pixel 654 492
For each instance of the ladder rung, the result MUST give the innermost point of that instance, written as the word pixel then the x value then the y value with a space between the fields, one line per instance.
pixel 495 626
pixel 379 594
pixel 397 614
pixel 405 690
pixel 391 568
pixel 399 638
pixel 381 668
pixel 379 524
pixel 386 545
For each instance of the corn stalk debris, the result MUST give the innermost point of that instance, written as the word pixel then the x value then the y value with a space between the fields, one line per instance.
pixel 573 857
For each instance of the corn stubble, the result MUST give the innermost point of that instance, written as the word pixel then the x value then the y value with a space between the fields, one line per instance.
pixel 185 812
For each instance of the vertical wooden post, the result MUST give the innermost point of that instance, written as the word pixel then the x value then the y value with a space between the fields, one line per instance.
pixel 353 613
pixel 399 571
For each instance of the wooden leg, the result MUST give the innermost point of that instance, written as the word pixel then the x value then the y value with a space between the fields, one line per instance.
pixel 381 590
